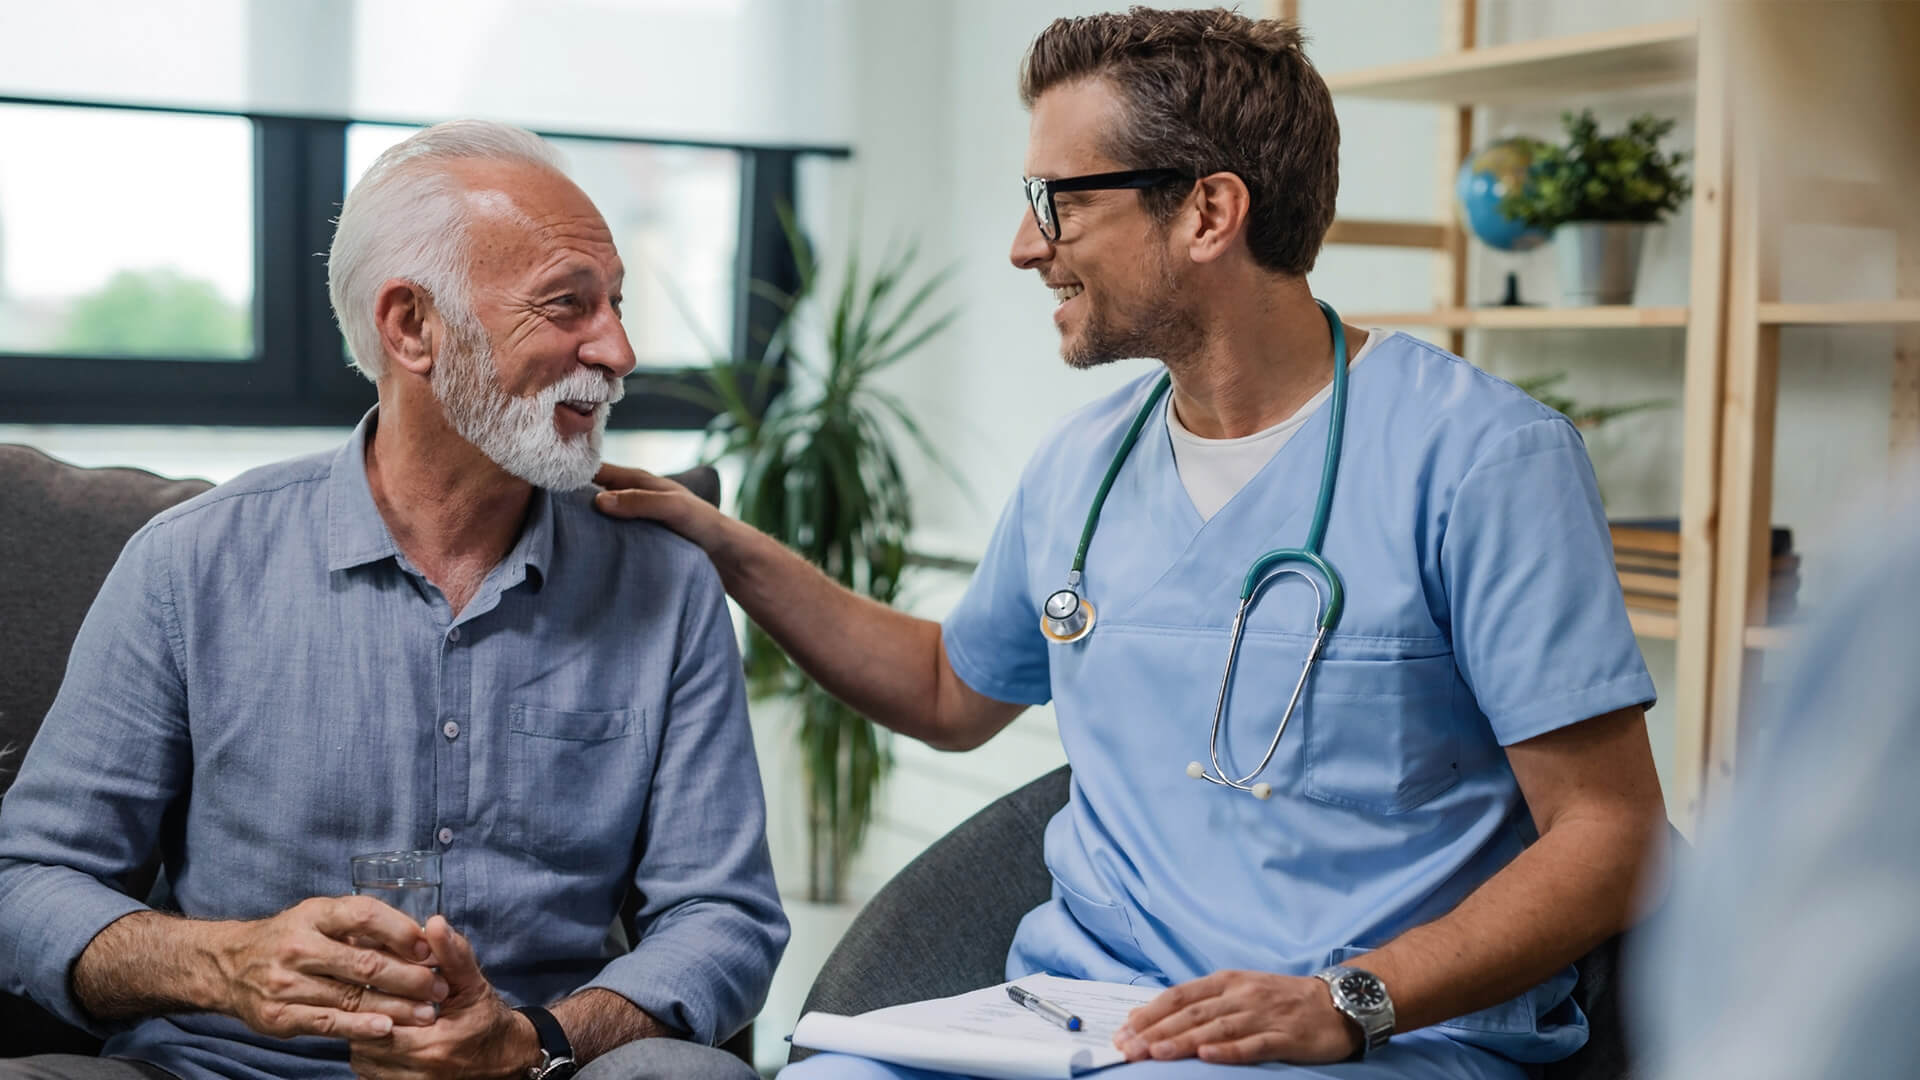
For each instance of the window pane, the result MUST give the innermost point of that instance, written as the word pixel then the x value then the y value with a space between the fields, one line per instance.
pixel 675 216
pixel 125 233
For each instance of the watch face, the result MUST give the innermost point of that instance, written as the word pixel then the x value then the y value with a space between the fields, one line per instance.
pixel 1363 991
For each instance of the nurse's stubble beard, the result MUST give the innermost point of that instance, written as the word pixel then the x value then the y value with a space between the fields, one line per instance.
pixel 1160 327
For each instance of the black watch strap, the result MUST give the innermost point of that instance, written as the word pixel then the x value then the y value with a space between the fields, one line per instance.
pixel 558 1051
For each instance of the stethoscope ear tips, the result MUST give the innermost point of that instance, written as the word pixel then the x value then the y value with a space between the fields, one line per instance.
pixel 1262 791
pixel 1196 770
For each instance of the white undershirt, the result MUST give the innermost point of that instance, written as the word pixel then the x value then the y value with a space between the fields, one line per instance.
pixel 1214 470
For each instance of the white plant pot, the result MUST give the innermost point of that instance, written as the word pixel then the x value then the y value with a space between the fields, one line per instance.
pixel 1599 261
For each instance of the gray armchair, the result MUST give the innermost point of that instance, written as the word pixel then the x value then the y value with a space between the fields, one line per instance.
pixel 906 944
pixel 61 528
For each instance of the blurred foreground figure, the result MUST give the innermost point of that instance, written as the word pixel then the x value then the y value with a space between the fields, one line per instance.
pixel 1791 947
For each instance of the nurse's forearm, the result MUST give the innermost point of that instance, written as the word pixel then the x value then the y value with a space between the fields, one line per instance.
pixel 1559 899
pixel 1602 825
pixel 886 664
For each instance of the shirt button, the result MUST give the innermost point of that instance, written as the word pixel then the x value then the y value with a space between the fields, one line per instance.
pixel 446 836
pixel 450 729
pixel 453 634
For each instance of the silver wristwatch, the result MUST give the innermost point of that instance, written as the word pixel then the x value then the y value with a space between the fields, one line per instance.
pixel 1362 998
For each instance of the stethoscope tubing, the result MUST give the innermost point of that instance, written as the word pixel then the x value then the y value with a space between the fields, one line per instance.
pixel 1327 607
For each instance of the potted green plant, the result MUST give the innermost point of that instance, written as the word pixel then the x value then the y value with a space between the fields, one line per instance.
pixel 820 471
pixel 1584 417
pixel 1598 193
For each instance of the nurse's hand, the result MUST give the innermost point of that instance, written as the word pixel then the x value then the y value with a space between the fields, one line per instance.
pixel 637 493
pixel 1239 1018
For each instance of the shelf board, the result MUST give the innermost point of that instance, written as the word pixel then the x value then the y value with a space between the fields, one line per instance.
pixel 1859 313
pixel 1526 318
pixel 1404 234
pixel 1655 624
pixel 1653 54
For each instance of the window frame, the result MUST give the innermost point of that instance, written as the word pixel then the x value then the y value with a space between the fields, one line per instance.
pixel 298 374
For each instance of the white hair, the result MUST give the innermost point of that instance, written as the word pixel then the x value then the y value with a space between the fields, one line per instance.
pixel 407 219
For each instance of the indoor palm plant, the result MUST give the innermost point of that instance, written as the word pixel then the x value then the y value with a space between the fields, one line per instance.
pixel 1598 193
pixel 820 471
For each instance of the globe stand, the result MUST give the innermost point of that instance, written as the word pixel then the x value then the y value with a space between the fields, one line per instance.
pixel 1512 295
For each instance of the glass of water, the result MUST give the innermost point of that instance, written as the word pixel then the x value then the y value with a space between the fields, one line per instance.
pixel 408 881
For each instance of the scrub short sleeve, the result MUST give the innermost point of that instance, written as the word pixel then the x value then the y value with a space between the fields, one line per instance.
pixel 1539 627
pixel 993 637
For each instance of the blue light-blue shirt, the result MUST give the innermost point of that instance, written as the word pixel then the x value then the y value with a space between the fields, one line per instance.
pixel 1482 609
pixel 265 687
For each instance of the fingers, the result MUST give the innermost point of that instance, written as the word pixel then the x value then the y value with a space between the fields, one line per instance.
pixel 1185 1022
pixel 407 1012
pixel 1170 1001
pixel 368 920
pixel 286 1019
pixel 367 967
pixel 633 504
pixel 457 962
pixel 1186 1043
pixel 616 478
pixel 1264 1046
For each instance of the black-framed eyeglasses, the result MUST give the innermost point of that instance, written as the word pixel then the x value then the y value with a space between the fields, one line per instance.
pixel 1040 191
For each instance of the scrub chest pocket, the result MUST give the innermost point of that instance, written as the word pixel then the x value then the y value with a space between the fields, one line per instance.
pixel 570 774
pixel 1379 735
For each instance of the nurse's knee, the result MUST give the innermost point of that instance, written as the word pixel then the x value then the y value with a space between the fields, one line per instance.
pixel 667 1059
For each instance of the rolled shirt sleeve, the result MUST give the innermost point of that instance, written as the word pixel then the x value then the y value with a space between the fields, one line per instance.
pixel 1540 630
pixel 711 928
pixel 83 817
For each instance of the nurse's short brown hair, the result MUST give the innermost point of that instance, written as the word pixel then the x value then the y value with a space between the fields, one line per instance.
pixel 1204 92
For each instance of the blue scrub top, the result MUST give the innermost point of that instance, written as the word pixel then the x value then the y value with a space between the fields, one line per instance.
pixel 1482 609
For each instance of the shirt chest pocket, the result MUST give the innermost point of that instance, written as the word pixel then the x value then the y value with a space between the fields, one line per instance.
pixel 1380 735
pixel 577 785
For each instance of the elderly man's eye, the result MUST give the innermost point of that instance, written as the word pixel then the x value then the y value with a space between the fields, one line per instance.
pixel 616 301
pixel 568 300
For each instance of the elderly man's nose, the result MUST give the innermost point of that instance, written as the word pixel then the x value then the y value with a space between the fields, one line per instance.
pixel 609 349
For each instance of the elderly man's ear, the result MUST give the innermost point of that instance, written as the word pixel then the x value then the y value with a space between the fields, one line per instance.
pixel 408 325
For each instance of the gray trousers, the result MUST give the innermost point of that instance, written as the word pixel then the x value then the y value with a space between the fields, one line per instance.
pixel 647 1059
pixel 75 1067
pixel 663 1059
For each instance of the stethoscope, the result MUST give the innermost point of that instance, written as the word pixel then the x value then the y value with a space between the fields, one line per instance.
pixel 1067 617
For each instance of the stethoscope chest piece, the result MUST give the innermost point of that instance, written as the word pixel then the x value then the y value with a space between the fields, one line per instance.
pixel 1066 617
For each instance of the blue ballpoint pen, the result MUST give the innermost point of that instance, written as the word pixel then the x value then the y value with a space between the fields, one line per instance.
pixel 1044 1007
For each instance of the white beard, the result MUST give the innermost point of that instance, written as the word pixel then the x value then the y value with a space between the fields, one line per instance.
pixel 518 433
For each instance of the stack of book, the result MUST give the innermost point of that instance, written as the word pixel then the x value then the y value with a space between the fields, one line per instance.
pixel 1646 552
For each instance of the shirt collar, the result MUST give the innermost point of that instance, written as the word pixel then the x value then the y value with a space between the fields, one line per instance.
pixel 357 534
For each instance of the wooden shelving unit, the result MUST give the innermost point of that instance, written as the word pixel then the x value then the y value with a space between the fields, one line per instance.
pixel 1660 54
pixel 1528 318
pixel 1860 313
pixel 1734 317
pixel 1653 624
pixel 1790 135
pixel 1665 54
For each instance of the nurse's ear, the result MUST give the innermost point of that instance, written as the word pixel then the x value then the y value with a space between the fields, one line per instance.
pixel 1216 216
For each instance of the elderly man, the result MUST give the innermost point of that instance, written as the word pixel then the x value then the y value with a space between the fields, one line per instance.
pixel 424 640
